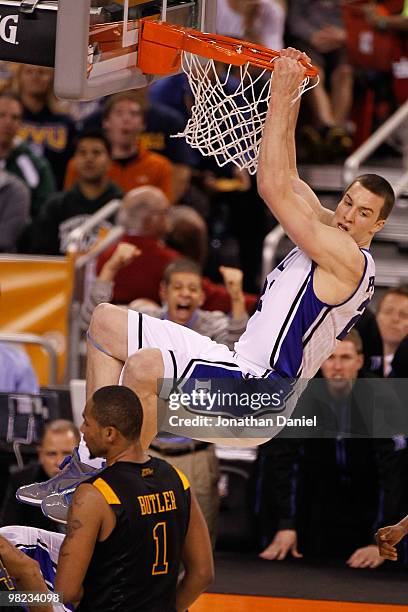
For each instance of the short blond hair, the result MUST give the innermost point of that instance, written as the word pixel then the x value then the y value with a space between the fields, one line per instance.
pixel 401 290
pixel 354 337
pixel 61 426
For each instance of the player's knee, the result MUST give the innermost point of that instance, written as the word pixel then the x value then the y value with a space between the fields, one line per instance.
pixel 101 317
pixel 143 369
pixel 108 329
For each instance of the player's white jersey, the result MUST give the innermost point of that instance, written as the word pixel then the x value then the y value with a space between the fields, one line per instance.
pixel 292 331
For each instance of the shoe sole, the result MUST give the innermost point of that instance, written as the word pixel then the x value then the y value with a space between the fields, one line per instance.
pixel 55 519
pixel 38 502
pixel 29 500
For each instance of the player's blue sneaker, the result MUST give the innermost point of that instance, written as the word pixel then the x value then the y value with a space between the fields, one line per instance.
pixel 72 472
pixel 55 506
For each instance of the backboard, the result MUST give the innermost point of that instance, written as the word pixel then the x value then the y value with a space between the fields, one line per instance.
pixel 27 31
pixel 97 41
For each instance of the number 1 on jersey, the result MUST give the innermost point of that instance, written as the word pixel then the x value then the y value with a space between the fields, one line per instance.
pixel 160 566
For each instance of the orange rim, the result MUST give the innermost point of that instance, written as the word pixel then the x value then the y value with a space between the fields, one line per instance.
pixel 161 45
pixel 109 35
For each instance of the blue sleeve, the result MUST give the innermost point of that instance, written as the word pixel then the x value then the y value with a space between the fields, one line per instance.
pixel 26 380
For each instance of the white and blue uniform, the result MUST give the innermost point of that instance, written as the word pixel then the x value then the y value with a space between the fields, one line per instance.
pixel 285 342
pixel 292 331
pixel 42 546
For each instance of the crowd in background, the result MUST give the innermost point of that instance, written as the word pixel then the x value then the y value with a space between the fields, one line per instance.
pixel 191 252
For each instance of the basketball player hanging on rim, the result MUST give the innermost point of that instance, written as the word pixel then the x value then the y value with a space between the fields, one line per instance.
pixel 309 302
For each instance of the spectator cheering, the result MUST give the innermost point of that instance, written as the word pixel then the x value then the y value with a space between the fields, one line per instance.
pixel 132 165
pixel 145 216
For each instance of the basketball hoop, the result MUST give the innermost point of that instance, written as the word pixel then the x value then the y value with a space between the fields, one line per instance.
pixel 227 119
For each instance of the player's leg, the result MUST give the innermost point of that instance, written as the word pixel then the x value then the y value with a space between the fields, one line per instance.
pixel 152 345
pixel 142 372
pixel 107 346
pixel 116 332
pixel 150 373
pixel 106 354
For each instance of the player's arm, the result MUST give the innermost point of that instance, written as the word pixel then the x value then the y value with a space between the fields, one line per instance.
pixel 85 517
pixel 25 571
pixel 197 559
pixel 300 187
pixel 332 249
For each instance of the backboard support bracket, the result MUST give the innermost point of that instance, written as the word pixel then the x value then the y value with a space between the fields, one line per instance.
pixel 73 79
pixel 28 31
pixel 57 34
pixel 28 6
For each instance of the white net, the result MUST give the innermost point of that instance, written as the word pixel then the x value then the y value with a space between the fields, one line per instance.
pixel 230 109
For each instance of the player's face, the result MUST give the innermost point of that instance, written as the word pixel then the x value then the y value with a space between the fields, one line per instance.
pixel 93 433
pixel 357 213
pixel 342 367
pixel 53 450
pixel 392 318
pixel 124 123
pixel 92 160
pixel 10 119
pixel 183 295
pixel 36 80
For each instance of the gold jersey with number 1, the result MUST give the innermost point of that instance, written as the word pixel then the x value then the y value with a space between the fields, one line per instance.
pixel 136 567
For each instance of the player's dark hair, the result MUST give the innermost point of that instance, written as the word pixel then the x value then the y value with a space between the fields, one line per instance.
pixel 118 406
pixel 181 265
pixel 379 186
pixel 94 134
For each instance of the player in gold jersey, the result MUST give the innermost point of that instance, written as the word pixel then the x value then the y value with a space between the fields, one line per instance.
pixel 131 525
